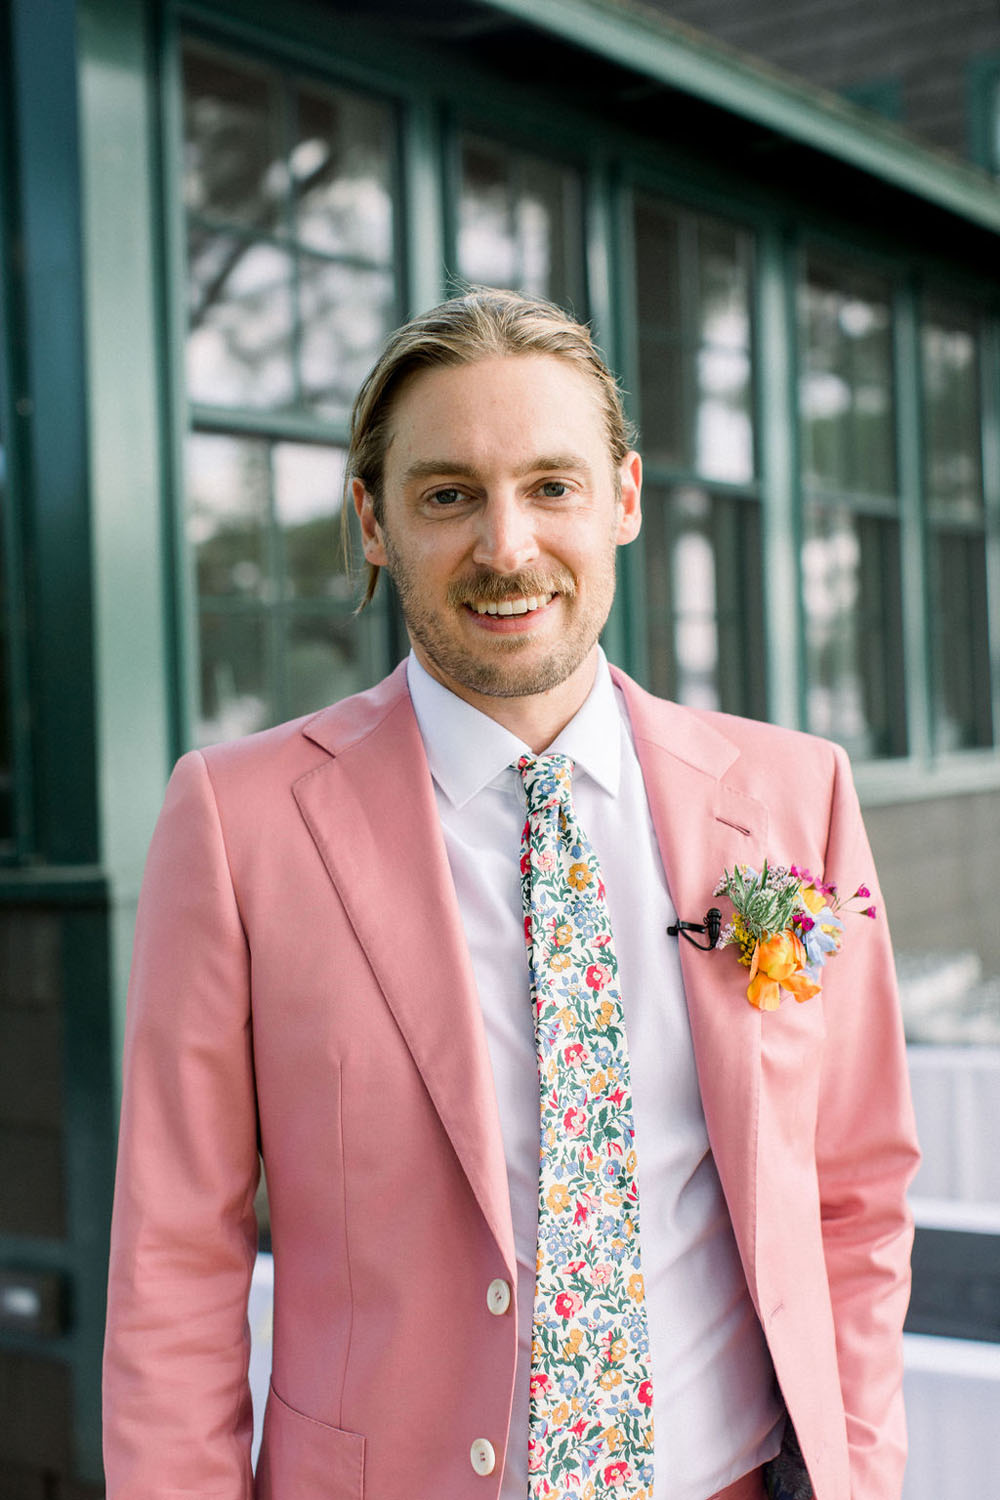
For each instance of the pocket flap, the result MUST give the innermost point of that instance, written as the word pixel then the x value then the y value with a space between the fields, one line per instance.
pixel 307 1460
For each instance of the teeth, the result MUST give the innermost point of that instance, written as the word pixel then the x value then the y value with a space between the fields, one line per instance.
pixel 514 606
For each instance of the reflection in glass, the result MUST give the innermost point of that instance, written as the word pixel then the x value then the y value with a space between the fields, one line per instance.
pixel 952 441
pixel 308 491
pixel 340 167
pixel 520 223
pixel 851 591
pixel 227 487
pixel 321 662
pixel 239 348
pixel 346 313
pixel 963 715
pixel 236 696
pixel 846 390
pixel 233 170
pixel 704 599
pixel 693 292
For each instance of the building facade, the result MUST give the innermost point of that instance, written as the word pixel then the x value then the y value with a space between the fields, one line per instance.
pixel 211 212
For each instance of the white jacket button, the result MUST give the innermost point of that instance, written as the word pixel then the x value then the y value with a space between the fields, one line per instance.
pixel 498 1296
pixel 483 1455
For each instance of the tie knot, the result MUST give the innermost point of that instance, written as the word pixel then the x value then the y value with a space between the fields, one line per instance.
pixel 548 779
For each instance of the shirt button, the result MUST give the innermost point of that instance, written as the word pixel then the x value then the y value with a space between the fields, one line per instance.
pixel 498 1296
pixel 483 1455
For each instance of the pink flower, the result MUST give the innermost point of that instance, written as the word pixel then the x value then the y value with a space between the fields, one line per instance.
pixel 539 1383
pixel 616 1473
pixel 598 975
pixel 568 1304
pixel 870 911
pixel 599 1276
pixel 536 1454
pixel 573 1053
pixel 863 892
pixel 574 1121
pixel 646 1393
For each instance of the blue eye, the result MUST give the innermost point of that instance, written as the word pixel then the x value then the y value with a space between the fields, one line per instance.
pixel 446 497
pixel 554 489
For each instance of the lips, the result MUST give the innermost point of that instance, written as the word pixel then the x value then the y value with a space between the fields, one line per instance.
pixel 518 606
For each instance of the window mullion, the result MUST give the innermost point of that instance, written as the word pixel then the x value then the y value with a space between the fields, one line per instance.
pixel 990 405
pixel 777 462
pixel 913 525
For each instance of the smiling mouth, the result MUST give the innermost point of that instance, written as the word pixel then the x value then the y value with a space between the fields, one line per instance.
pixel 520 606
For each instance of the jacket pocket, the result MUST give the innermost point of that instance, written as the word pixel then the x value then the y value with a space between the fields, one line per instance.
pixel 302 1459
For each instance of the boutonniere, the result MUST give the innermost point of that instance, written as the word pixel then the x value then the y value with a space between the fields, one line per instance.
pixel 786 925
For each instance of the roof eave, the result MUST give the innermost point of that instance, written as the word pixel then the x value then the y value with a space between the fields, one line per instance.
pixel 654 47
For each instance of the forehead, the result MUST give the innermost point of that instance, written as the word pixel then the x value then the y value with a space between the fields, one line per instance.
pixel 517 404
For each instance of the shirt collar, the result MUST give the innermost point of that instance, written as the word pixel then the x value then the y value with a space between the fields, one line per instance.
pixel 467 750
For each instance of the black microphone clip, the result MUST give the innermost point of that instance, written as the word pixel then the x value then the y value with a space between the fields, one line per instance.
pixel 712 925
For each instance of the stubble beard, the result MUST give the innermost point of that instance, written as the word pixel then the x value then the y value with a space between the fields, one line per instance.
pixel 497 672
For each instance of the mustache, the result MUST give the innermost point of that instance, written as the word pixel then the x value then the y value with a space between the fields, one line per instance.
pixel 495 588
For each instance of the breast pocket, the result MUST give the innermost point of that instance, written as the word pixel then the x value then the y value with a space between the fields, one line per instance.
pixel 302 1459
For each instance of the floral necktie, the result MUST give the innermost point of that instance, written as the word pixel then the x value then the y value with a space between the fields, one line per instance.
pixel 591 1419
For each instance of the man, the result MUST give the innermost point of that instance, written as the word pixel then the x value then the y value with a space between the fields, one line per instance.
pixel 682 1264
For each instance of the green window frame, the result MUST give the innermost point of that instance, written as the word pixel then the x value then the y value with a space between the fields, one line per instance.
pixel 287 226
pixel 851 540
pixel 694 373
pixel 953 385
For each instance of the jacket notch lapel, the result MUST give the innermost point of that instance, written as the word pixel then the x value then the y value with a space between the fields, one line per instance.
pixel 372 815
pixel 704 826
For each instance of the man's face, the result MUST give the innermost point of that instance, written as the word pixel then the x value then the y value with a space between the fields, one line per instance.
pixel 501 516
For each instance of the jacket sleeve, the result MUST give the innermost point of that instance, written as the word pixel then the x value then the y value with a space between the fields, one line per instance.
pixel 866 1154
pixel 177 1411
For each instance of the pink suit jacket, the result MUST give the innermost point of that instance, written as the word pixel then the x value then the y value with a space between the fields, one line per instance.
pixel 301 981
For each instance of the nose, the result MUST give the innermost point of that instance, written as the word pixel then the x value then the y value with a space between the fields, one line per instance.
pixel 505 542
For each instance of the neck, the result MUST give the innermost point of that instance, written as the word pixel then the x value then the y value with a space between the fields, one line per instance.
pixel 537 718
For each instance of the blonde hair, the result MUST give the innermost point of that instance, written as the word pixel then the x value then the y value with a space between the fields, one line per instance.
pixel 483 323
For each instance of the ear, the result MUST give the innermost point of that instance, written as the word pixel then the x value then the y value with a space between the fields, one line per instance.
pixel 630 502
pixel 371 531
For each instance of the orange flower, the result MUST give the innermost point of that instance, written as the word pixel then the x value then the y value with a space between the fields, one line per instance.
pixel 777 965
pixel 579 876
pixel 557 1198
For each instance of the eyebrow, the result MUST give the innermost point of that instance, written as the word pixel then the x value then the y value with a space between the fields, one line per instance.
pixel 428 468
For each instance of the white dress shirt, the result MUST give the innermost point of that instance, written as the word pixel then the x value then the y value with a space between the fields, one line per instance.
pixel 715 1409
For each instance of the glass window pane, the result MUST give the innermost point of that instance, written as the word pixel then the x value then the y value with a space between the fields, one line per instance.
pixel 340 166
pixel 846 388
pixel 233 166
pixel 345 315
pixel 662 369
pixel 693 287
pixel 723 285
pixel 704 599
pixel 723 432
pixel 656 231
pixel 520 223
pixel 239 348
pixel 952 441
pixel 236 693
pixel 308 493
pixel 963 713
pixel 853 612
pixel 227 487
pixel 323 661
